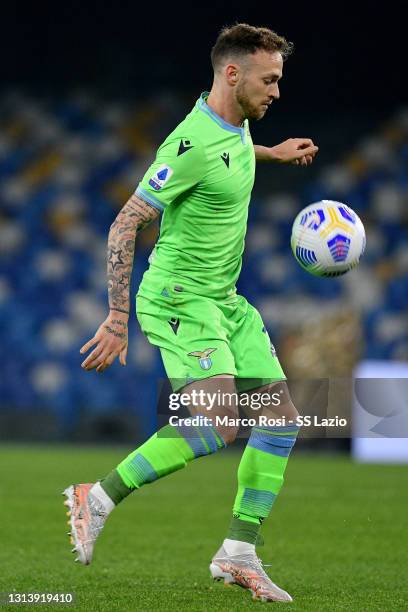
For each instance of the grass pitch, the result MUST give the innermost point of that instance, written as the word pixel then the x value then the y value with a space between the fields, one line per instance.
pixel 336 536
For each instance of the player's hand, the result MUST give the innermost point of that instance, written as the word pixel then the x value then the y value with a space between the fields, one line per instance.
pixel 111 340
pixel 297 151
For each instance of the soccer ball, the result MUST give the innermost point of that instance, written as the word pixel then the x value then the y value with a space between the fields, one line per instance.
pixel 328 238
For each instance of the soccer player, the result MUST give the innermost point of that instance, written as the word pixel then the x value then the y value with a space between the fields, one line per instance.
pixel 210 338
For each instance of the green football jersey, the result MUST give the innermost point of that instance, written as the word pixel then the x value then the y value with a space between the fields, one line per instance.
pixel 202 180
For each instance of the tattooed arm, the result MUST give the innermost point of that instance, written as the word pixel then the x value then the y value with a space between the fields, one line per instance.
pixel 133 217
pixel 112 336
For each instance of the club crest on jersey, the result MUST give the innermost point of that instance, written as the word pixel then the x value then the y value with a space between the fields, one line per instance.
pixel 204 360
pixel 161 177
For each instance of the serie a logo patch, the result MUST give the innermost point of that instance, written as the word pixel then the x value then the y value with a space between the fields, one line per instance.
pixel 161 177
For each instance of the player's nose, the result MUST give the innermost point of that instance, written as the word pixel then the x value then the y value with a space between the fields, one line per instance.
pixel 275 94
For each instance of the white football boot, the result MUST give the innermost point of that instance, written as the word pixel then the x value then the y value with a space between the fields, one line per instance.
pixel 247 571
pixel 87 517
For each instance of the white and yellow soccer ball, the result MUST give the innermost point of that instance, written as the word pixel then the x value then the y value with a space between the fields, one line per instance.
pixel 328 238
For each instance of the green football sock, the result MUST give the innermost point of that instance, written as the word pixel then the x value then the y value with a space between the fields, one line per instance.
pixel 167 451
pixel 244 530
pixel 260 477
pixel 114 487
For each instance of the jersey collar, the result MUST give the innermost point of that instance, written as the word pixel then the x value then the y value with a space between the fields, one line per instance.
pixel 203 106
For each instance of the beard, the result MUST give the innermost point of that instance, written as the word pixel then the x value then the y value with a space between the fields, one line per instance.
pixel 249 110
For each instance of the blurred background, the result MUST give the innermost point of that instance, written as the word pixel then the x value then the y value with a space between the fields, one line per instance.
pixel 86 98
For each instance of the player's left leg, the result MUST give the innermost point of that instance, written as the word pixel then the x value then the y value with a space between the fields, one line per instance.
pixel 260 478
pixel 263 463
pixel 262 467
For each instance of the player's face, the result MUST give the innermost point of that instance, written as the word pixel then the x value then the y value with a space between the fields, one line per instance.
pixel 258 83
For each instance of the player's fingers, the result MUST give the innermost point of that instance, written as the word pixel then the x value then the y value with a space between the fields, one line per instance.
pixel 303 161
pixel 122 356
pixel 312 150
pixel 102 367
pixel 295 162
pixel 98 362
pixel 91 365
pixel 90 359
pixel 309 159
pixel 111 350
pixel 303 143
pixel 88 345
pixel 95 356
pixel 106 362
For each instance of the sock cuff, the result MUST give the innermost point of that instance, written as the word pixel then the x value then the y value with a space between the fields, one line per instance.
pixel 272 442
pixel 115 487
pixel 244 530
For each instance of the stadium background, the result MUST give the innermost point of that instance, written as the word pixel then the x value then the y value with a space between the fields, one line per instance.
pixel 86 95
pixel 86 98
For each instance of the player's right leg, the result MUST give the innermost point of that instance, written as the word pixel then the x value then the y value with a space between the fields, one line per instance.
pixel 167 451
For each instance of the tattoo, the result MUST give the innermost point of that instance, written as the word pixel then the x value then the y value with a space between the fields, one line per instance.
pixel 115 333
pixel 118 310
pixel 114 258
pixel 134 216
pixel 119 322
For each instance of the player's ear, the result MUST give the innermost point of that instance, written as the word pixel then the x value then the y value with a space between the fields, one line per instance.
pixel 232 74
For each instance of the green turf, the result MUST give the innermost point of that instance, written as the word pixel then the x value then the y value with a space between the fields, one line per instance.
pixel 336 536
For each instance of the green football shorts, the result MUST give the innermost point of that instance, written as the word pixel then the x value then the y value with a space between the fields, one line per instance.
pixel 200 337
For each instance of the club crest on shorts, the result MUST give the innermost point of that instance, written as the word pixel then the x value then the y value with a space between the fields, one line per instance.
pixel 204 360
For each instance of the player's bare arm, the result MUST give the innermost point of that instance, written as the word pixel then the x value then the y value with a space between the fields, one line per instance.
pixel 134 216
pixel 111 338
pixel 297 151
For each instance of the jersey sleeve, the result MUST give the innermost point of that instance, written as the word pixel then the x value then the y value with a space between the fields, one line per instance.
pixel 180 164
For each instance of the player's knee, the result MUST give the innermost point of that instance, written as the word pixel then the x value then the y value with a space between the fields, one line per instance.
pixel 228 433
pixel 285 407
pixel 292 412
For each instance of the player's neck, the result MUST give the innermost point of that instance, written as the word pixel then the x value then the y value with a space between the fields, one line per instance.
pixel 225 107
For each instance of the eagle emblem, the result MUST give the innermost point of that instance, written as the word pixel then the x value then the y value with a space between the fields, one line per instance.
pixel 203 357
